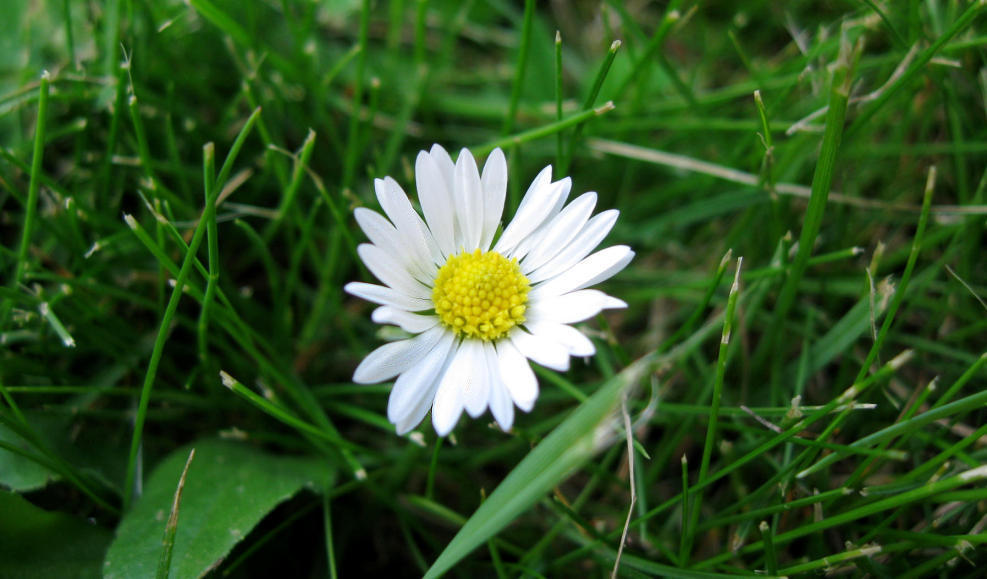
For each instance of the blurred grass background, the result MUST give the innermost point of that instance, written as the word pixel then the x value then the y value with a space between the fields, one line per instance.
pixel 838 147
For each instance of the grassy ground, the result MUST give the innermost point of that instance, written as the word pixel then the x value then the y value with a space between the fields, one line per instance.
pixel 802 359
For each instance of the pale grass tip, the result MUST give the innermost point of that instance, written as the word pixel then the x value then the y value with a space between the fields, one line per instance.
pixel 736 276
pixel 228 381
pixel 417 438
pixel 736 543
pixel 901 359
pixel 849 394
pixel 233 433
pixel 96 246
pixel 726 257
pixel 868 550
pixel 974 473
pixel 795 410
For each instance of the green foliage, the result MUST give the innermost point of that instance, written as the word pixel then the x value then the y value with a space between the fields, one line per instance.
pixel 228 489
pixel 17 472
pixel 176 197
pixel 35 543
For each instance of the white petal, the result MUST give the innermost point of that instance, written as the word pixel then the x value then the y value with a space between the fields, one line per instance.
pixel 389 270
pixel 575 343
pixel 407 321
pixel 501 404
pixel 443 162
pixel 436 201
pixel 535 207
pixel 394 358
pixel 406 220
pixel 602 265
pixel 378 230
pixel 420 408
pixel 517 375
pixel 468 194
pixel 415 418
pixel 581 246
pixel 542 179
pixel 476 383
pixel 556 234
pixel 448 404
pixel 566 183
pixel 385 236
pixel 502 407
pixel 386 296
pixel 414 389
pixel 532 240
pixel 548 353
pixel 494 181
pixel 571 307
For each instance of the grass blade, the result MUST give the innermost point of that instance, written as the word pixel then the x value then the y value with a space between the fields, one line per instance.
pixel 145 397
pixel 590 427
pixel 168 543
pixel 821 181
pixel 521 67
pixel 31 209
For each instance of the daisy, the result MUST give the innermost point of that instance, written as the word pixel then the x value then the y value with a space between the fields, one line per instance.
pixel 479 306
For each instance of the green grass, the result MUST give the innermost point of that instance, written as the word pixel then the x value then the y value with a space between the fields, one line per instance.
pixel 803 360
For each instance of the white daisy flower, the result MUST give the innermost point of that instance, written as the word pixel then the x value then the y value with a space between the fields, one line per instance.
pixel 479 308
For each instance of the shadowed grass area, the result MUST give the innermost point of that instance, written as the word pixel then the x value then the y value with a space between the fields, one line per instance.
pixel 802 361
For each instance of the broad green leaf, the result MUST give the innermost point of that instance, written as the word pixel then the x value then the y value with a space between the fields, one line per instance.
pixel 38 543
pixel 84 450
pixel 592 426
pixel 19 473
pixel 230 487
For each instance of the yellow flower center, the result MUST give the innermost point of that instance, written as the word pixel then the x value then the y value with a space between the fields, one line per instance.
pixel 480 295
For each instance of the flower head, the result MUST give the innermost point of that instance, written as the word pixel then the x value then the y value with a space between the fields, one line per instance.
pixel 479 306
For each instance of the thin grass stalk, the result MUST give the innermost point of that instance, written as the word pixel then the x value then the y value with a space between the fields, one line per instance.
pixel 212 243
pixel 31 208
pixel 917 66
pixel 543 131
pixel 520 68
pixel 165 327
pixel 168 543
pixel 821 181
pixel 714 411
pixel 588 104
pixel 559 143
pixel 352 151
